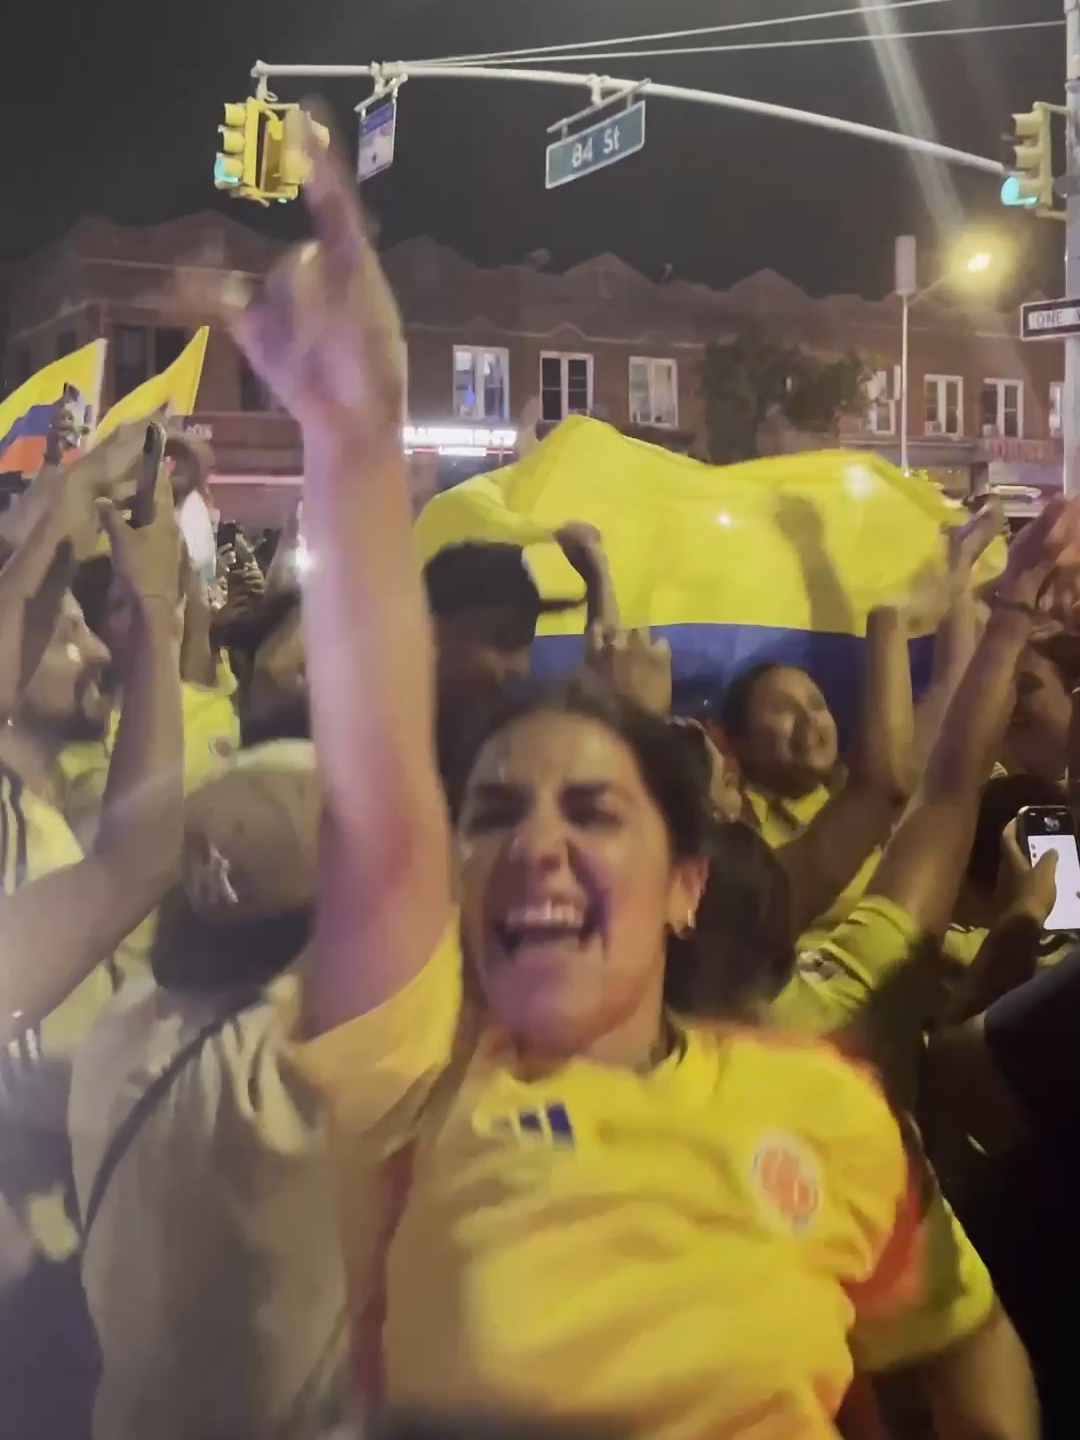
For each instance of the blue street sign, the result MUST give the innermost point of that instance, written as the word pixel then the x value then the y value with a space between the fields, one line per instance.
pixel 378 130
pixel 603 144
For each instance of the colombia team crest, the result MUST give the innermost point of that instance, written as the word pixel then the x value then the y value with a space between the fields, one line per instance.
pixel 787 1179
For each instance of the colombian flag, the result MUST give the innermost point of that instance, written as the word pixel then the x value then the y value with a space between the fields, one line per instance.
pixel 171 393
pixel 777 559
pixel 27 415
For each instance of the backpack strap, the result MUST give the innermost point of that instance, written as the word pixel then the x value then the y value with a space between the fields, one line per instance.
pixel 125 1133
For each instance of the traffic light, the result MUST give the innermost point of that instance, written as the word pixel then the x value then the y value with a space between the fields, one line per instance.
pixel 1030 186
pixel 237 163
pixel 274 182
pixel 285 166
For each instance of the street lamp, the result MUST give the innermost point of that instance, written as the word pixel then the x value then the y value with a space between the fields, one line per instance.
pixel 981 264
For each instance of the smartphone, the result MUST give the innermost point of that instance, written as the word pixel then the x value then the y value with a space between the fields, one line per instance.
pixel 227 533
pixel 153 454
pixel 1040 828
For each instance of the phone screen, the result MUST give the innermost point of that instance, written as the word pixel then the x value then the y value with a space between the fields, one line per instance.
pixel 1066 912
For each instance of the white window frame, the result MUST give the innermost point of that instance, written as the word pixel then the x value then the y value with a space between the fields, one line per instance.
pixel 478 352
pixel 564 357
pixel 1055 414
pixel 652 361
pixel 942 381
pixel 999 383
pixel 883 395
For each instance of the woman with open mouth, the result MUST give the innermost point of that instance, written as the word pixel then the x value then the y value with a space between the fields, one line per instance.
pixel 592 1213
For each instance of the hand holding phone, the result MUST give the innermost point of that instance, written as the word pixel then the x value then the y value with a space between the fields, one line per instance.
pixel 153 455
pixel 1043 828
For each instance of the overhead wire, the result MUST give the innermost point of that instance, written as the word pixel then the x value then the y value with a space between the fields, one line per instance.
pixel 800 44
pixel 729 28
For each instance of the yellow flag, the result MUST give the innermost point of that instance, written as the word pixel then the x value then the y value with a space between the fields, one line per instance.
pixel 171 393
pixel 27 415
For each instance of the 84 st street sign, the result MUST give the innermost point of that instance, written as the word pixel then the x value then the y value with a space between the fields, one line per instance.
pixel 1049 319
pixel 606 143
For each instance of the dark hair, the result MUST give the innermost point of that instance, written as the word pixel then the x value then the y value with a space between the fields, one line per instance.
pixel 1063 653
pixel 735 706
pixel 668 767
pixel 287 718
pixel 1002 800
pixel 194 954
pixel 741 951
pixel 90 587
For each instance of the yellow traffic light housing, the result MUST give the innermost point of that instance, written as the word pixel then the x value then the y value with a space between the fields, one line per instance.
pixel 274 180
pixel 285 166
pixel 237 163
pixel 1030 186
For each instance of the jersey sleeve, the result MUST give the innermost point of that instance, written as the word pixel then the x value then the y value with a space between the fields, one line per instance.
pixel 916 1284
pixel 871 980
pixel 378 1070
pixel 928 1288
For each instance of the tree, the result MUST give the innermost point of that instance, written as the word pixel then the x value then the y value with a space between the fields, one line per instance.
pixel 756 378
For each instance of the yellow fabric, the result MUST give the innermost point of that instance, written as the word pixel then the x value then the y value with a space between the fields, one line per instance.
pixel 672 525
pixel 781 821
pixel 171 393
pixel 675 1249
pixel 833 989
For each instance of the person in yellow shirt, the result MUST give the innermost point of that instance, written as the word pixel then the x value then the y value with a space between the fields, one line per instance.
pixel 827 821
pixel 597 1212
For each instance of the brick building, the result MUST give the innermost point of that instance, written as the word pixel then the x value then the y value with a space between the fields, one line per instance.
pixel 487 347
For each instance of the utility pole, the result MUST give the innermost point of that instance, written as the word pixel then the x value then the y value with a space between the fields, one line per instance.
pixel 1071 403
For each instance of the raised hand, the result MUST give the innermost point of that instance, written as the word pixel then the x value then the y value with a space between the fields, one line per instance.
pixel 1049 543
pixel 323 330
pixel 631 663
pixel 147 561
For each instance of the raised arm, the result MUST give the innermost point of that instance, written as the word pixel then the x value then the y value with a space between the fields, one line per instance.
pixel 326 336
pixel 54 931
pixel 924 862
pixel 823 860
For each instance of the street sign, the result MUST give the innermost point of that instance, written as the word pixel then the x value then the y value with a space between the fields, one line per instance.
pixel 378 130
pixel 1049 319
pixel 603 144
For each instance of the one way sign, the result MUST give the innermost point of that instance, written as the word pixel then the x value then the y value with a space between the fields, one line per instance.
pixel 1049 319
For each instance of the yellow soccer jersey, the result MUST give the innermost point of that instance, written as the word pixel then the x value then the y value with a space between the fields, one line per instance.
pixel 35 840
pixel 211 737
pixel 781 821
pixel 686 1251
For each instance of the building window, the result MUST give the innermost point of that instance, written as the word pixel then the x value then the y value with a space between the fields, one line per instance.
pixel 1056 416
pixel 131 359
pixel 566 383
pixel 654 392
pixel 944 405
pixel 481 383
pixel 66 342
pixel 882 392
pixel 1001 408
pixel 169 344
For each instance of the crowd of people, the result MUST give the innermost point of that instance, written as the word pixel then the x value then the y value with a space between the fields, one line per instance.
pixel 393 1046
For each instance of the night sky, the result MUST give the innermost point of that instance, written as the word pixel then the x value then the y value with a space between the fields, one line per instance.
pixel 111 108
